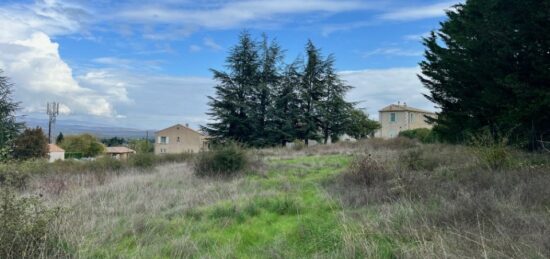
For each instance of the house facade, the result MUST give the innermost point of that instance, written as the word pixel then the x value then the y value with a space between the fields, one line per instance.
pixel 122 153
pixel 396 118
pixel 55 153
pixel 179 139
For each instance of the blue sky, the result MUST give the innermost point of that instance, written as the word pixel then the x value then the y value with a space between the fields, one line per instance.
pixel 145 64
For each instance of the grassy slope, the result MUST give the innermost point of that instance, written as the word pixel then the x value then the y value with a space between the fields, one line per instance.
pixel 283 213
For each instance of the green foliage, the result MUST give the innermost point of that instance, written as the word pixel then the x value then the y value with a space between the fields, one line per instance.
pixel 9 127
pixel 24 222
pixel 492 152
pixel 423 135
pixel 359 125
pixel 298 145
pixel 142 160
pixel 114 141
pixel 141 145
pixel 32 143
pixel 86 144
pixel 488 67
pixel 223 160
pixel 260 102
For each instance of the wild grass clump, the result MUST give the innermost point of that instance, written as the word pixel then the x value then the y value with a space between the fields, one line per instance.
pixel 398 143
pixel 298 145
pixel 25 227
pixel 223 160
pixel 493 151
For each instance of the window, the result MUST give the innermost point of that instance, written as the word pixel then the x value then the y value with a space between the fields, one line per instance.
pixel 412 117
pixel 163 140
pixel 392 117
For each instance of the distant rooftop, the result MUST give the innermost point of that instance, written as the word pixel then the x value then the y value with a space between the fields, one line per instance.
pixel 402 108
pixel 54 148
pixel 119 150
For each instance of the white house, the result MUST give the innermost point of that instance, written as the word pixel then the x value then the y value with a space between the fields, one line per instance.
pixel 55 153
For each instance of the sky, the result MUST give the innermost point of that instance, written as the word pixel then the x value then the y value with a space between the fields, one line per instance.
pixel 146 64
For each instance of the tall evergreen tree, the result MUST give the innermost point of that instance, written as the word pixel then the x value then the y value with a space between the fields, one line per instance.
pixel 9 127
pixel 230 108
pixel 269 77
pixel 311 92
pixel 333 109
pixel 286 105
pixel 489 67
pixel 31 143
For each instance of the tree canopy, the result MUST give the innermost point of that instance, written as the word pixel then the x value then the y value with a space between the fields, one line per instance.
pixel 9 127
pixel 488 66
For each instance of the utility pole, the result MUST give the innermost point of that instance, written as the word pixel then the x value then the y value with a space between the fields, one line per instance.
pixel 52 111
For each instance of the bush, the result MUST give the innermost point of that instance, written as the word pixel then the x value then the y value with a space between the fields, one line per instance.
pixel 24 222
pixel 16 174
pixel 423 135
pixel 86 144
pixel 368 171
pixel 32 143
pixel 492 151
pixel 223 160
pixel 143 160
pixel 298 145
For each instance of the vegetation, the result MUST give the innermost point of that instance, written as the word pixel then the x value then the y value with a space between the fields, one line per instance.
pixel 114 141
pixel 422 134
pixel 261 102
pixel 375 199
pixel 26 229
pixel 360 126
pixel 142 145
pixel 487 67
pixel 59 138
pixel 9 127
pixel 222 160
pixel 32 143
pixel 85 144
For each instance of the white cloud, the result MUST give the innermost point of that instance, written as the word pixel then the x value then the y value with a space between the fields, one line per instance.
pixel 393 52
pixel 416 37
pixel 31 59
pixel 195 48
pixel 418 12
pixel 377 88
pixel 234 13
pixel 210 43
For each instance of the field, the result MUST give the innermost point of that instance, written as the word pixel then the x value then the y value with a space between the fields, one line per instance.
pixel 376 199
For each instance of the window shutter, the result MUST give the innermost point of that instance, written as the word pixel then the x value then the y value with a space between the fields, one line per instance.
pixel 159 139
pixel 167 140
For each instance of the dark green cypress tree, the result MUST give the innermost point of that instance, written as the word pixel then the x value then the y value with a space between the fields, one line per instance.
pixel 489 67
pixel 229 108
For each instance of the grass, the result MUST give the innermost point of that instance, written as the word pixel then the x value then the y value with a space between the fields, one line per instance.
pixel 374 199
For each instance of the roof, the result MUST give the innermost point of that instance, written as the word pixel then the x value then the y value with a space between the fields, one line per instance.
pixel 119 150
pixel 403 108
pixel 54 148
pixel 182 126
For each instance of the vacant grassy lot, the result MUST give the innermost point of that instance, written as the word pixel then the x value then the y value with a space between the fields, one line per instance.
pixel 378 199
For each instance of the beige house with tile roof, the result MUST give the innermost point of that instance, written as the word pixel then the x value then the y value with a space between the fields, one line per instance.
pixel 55 153
pixel 395 118
pixel 122 153
pixel 179 139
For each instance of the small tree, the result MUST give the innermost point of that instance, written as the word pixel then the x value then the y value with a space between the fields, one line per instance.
pixel 360 126
pixel 32 143
pixel 59 138
pixel 86 144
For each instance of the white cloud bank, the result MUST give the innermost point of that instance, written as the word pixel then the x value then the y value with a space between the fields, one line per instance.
pixel 31 60
pixel 377 88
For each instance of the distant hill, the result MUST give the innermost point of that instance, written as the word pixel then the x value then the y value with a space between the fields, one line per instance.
pixel 71 127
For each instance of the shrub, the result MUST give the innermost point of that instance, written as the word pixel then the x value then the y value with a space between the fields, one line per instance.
pixel 24 222
pixel 174 158
pixel 368 171
pixel 143 160
pixel 32 143
pixel 423 135
pixel 86 144
pixel 105 164
pixel 393 143
pixel 298 145
pixel 491 150
pixel 223 160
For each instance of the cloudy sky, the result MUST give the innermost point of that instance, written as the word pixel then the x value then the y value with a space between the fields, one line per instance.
pixel 145 64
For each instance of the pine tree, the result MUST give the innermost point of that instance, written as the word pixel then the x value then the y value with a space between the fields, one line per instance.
pixel 286 105
pixel 333 109
pixel 230 108
pixel 269 77
pixel 488 67
pixel 311 91
pixel 9 127
pixel 59 138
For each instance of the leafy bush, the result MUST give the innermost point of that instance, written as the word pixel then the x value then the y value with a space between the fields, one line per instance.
pixel 32 143
pixel 423 135
pixel 86 144
pixel 143 160
pixel 492 150
pixel 24 222
pixel 16 174
pixel 223 160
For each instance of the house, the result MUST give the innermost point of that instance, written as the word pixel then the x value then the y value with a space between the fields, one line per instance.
pixel 122 153
pixel 396 118
pixel 179 139
pixel 55 153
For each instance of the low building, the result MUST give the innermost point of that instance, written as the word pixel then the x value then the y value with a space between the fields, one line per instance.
pixel 55 153
pixel 395 118
pixel 179 139
pixel 122 153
